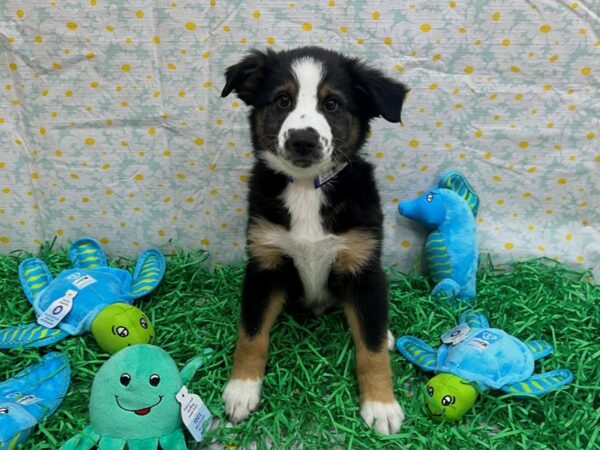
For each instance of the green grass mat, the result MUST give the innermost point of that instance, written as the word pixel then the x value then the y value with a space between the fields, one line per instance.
pixel 310 397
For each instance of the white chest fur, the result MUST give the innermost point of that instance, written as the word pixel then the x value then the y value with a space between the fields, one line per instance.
pixel 312 249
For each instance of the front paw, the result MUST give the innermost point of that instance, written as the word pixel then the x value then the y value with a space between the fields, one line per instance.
pixel 386 418
pixel 241 397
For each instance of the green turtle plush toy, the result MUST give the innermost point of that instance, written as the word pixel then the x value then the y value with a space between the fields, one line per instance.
pixel 89 297
pixel 475 358
pixel 135 402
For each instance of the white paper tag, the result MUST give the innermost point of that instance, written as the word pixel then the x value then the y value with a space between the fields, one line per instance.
pixel 456 334
pixel 194 413
pixel 57 310
pixel 479 344
pixel 28 400
pixel 84 281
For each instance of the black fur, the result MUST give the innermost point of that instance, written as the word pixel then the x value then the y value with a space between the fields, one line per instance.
pixel 352 197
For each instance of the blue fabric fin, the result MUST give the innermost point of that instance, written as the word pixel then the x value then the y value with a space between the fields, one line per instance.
pixel 540 384
pixel 474 319
pixel 31 335
pixel 34 276
pixel 447 287
pixel 86 253
pixel 417 352
pixel 148 272
pixel 456 182
pixel 31 396
pixel 539 349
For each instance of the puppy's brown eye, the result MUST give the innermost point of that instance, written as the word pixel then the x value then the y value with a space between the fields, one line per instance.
pixel 331 104
pixel 284 101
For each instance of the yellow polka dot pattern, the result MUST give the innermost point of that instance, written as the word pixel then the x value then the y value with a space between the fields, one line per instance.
pixel 129 140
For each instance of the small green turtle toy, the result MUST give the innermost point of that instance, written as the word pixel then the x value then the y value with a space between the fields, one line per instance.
pixel 135 400
pixel 475 358
pixel 89 297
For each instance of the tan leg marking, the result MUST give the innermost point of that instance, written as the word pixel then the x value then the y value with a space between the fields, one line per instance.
pixel 262 247
pixel 359 246
pixel 251 352
pixel 372 368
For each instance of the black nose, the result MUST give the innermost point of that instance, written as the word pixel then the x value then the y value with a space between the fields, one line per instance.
pixel 302 142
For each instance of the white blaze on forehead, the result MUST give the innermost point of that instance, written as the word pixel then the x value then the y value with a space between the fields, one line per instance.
pixel 309 74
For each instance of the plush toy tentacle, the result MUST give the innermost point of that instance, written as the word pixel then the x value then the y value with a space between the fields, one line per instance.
pixel 187 373
pixel 86 253
pixel 85 440
pixel 540 384
pixel 149 270
pixel 31 336
pixel 111 443
pixel 539 349
pixel 143 444
pixel 34 276
pixel 174 440
pixel 456 182
pixel 474 319
pixel 447 287
pixel 417 352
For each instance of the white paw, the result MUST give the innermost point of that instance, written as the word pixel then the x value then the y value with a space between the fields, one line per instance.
pixel 241 397
pixel 390 338
pixel 386 418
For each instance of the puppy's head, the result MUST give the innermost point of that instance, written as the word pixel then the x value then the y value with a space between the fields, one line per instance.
pixel 311 107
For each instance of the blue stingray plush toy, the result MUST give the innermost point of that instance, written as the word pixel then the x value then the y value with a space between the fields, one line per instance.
pixel 449 212
pixel 31 396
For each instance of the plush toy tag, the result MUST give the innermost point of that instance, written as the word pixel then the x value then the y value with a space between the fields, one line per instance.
pixel 84 281
pixel 57 310
pixel 28 400
pixel 194 413
pixel 456 334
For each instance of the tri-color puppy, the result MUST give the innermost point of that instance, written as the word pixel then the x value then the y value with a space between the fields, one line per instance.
pixel 314 232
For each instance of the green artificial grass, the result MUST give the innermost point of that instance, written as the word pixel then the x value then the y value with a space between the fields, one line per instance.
pixel 310 397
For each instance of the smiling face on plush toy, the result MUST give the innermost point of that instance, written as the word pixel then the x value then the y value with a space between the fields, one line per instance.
pixel 448 397
pixel 121 325
pixel 134 394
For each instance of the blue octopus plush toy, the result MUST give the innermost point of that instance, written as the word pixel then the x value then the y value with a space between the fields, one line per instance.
pixel 449 213
pixel 89 297
pixel 475 358
pixel 31 396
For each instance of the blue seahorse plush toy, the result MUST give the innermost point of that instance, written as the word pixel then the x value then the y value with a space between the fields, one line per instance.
pixel 449 212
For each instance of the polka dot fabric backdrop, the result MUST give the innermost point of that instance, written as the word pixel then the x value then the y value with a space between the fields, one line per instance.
pixel 112 124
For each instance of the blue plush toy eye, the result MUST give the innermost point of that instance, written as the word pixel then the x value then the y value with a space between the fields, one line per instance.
pixel 429 197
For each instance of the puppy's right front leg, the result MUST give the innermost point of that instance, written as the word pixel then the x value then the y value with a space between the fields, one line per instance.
pixel 242 393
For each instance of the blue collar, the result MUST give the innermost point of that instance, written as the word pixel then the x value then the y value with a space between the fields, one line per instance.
pixel 325 177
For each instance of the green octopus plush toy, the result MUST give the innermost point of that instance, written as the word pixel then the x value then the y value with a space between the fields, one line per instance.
pixel 133 403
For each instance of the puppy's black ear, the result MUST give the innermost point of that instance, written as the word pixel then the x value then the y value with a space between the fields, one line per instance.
pixel 245 77
pixel 381 95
